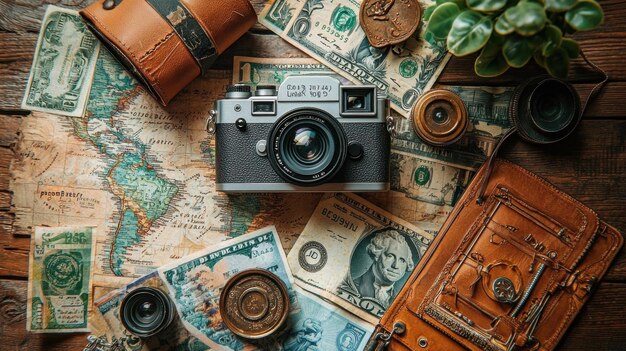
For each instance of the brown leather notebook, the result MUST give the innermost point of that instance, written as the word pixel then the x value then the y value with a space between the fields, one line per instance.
pixel 510 269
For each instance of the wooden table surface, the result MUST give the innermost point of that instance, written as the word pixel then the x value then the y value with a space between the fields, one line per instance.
pixel 590 165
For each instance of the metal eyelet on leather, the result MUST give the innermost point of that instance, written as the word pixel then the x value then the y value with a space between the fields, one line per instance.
pixel 110 4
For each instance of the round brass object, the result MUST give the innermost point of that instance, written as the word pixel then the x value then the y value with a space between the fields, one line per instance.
pixel 439 117
pixel 254 304
pixel 388 22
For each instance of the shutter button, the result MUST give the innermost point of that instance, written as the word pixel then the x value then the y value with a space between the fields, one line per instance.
pixel 355 150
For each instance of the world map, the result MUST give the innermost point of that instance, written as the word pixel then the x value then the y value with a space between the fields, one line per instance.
pixel 143 175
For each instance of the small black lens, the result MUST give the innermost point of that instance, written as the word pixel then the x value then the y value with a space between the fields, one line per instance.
pixel 146 312
pixel 552 106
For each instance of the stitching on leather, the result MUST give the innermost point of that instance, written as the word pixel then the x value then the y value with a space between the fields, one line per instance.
pixel 156 46
pixel 156 84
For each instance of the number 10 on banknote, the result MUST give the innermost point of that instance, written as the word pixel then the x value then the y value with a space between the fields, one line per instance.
pixel 329 31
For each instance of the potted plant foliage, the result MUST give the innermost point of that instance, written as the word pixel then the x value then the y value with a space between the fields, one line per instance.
pixel 509 33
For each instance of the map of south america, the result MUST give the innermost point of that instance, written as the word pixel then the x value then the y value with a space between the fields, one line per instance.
pixel 143 174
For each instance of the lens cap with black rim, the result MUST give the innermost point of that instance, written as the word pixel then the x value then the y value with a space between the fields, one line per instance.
pixel 146 311
pixel 545 110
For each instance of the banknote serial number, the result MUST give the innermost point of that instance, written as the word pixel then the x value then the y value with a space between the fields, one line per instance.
pixel 339 220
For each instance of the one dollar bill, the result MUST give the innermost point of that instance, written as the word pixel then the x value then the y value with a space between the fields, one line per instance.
pixel 59 279
pixel 63 67
pixel 329 31
pixel 356 255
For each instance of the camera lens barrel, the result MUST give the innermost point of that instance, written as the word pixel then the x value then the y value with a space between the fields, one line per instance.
pixel 439 117
pixel 307 147
pixel 146 311
pixel 545 109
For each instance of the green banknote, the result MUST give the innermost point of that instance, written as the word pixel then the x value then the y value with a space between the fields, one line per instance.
pixel 59 279
pixel 256 70
pixel 63 66
pixel 356 254
pixel 329 31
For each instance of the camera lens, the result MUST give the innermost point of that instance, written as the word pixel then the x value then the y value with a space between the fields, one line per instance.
pixel 307 147
pixel 552 106
pixel 146 312
pixel 308 144
pixel 439 117
pixel 545 109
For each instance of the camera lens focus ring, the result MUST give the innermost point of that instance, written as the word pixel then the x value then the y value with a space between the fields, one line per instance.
pixel 307 147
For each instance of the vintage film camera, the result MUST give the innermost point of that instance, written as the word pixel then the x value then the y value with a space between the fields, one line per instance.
pixel 313 134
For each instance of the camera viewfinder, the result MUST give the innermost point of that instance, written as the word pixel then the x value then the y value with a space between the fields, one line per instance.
pixel 358 101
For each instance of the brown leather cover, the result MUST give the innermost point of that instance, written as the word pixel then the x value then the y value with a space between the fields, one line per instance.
pixel 150 48
pixel 449 302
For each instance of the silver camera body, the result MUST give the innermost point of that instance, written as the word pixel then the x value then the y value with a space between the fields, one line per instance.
pixel 312 134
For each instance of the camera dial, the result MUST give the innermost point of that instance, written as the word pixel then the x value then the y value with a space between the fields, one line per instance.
pixel 265 90
pixel 238 91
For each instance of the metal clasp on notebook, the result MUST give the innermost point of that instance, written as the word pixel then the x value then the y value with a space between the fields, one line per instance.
pixel 110 4
pixel 382 339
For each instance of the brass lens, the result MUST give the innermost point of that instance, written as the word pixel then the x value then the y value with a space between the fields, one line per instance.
pixel 439 117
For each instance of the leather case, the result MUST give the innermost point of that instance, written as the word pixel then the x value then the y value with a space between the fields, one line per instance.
pixel 507 273
pixel 168 43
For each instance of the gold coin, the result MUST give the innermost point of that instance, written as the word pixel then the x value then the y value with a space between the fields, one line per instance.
pixel 439 117
pixel 254 304
pixel 388 22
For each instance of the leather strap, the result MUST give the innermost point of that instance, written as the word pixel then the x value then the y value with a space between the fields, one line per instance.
pixel 199 43
pixel 594 91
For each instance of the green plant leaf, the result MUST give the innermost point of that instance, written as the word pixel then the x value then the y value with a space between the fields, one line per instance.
pixel 491 62
pixel 552 40
pixel 459 3
pixel 503 26
pixel 539 58
pixel 559 5
pixel 470 32
pixel 571 47
pixel 428 12
pixel 518 50
pixel 441 20
pixel 486 5
pixel 586 15
pixel 528 18
pixel 557 64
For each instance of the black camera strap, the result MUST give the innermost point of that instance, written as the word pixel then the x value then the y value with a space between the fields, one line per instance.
pixel 513 130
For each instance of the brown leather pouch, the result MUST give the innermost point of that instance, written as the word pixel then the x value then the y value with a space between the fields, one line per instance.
pixel 168 43
pixel 507 273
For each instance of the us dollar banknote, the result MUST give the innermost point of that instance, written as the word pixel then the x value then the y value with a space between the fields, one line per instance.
pixel 63 66
pixel 195 283
pixel 329 31
pixel 426 181
pixel 262 71
pixel 59 279
pixel 356 254
pixel 175 337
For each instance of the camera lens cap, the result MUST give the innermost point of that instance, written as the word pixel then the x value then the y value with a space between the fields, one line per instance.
pixel 439 117
pixel 545 110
